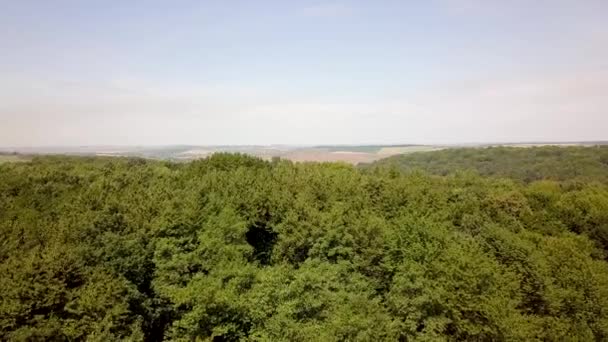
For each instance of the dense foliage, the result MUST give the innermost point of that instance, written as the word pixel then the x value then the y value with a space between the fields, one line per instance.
pixel 236 248
pixel 525 164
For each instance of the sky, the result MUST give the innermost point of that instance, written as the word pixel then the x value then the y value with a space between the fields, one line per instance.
pixel 109 72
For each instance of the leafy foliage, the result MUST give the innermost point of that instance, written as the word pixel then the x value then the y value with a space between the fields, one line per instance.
pixel 235 248
pixel 525 164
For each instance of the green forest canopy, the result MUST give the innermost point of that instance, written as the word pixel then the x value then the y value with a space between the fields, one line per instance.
pixel 235 248
pixel 525 164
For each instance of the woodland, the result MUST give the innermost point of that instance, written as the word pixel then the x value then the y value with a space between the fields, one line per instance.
pixel 476 244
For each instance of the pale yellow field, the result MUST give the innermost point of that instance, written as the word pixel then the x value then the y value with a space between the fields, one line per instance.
pixel 387 151
pixel 11 159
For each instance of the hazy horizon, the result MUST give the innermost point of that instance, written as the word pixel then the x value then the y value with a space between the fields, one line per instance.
pixel 152 146
pixel 307 73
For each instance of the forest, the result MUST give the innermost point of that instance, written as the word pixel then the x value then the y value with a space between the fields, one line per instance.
pixel 476 244
pixel 524 164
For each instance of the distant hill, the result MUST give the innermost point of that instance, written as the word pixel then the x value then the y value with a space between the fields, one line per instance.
pixel 525 164
pixel 352 154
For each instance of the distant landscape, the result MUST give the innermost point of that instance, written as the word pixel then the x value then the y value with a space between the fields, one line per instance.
pixel 352 154
pixel 304 171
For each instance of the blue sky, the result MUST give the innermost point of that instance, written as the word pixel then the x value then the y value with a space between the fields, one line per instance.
pixel 302 72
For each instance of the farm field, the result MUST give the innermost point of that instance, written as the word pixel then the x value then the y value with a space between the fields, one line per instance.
pixel 392 150
pixel 9 158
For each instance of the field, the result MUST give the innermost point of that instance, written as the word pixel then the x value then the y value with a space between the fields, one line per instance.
pixel 10 158
pixel 393 150
pixel 326 155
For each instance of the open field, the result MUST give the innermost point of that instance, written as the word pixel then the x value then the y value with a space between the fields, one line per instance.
pixel 325 155
pixel 10 158
pixel 392 150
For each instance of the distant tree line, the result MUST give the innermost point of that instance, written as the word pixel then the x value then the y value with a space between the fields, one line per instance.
pixel 524 164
